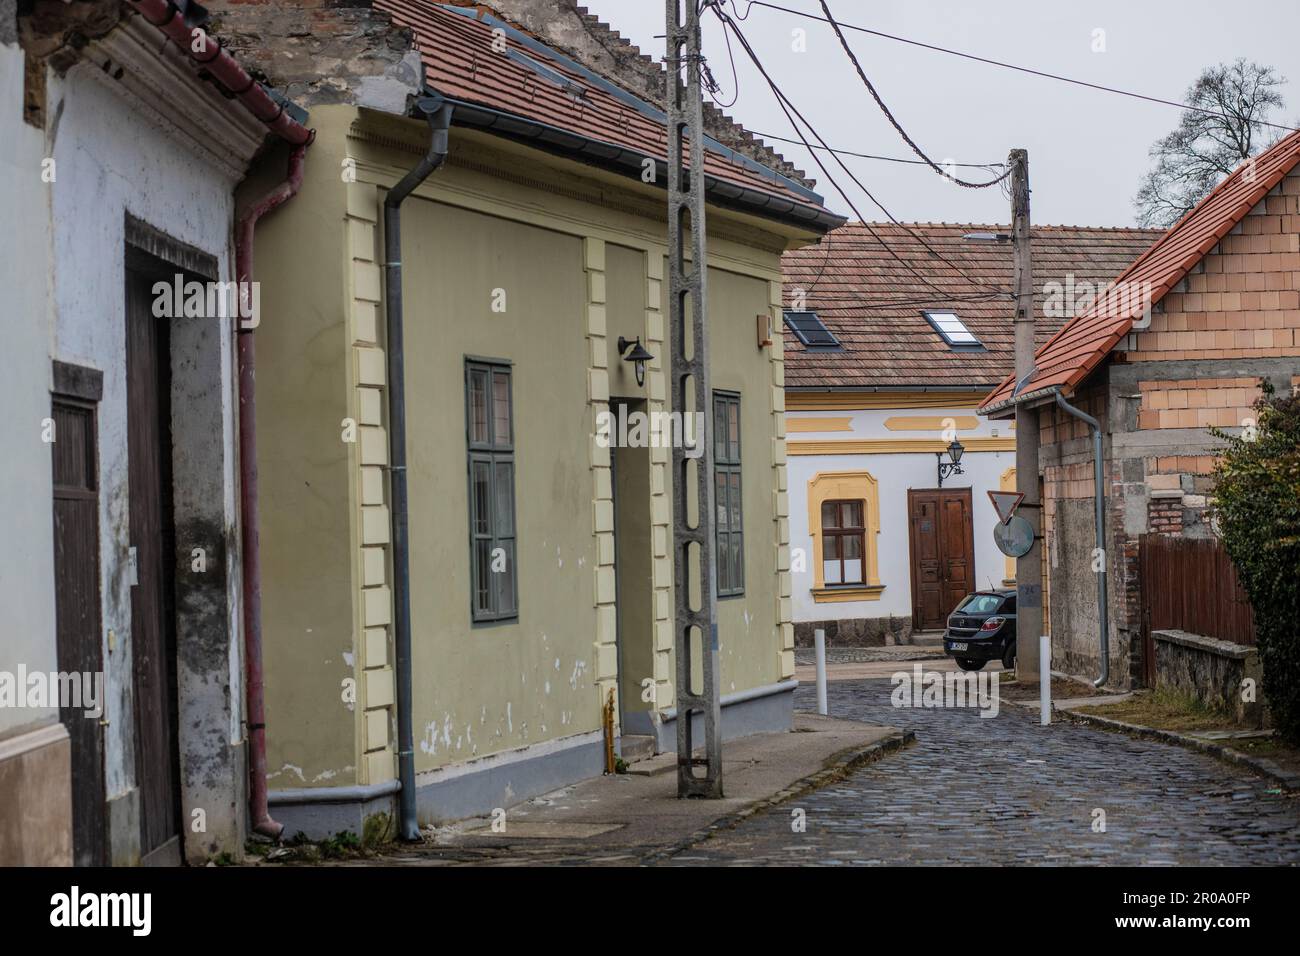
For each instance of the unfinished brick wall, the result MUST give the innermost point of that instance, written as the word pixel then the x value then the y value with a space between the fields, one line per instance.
pixel 1234 321
pixel 1197 403
pixel 1242 300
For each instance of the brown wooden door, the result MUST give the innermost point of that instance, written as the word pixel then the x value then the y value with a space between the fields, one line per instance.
pixel 153 618
pixel 76 614
pixel 943 554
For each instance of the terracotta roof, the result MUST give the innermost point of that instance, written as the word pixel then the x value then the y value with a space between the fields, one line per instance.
pixel 873 303
pixel 1071 355
pixel 533 92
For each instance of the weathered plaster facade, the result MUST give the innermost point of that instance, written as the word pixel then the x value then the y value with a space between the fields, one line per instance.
pixel 513 708
pixel 131 155
pixel 34 748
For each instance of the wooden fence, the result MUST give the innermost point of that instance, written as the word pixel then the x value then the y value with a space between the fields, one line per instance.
pixel 1190 584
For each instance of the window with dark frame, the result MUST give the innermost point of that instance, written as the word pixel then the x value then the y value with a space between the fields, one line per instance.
pixel 489 427
pixel 843 541
pixel 729 534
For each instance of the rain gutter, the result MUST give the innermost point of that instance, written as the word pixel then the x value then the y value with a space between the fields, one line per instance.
pixel 438 113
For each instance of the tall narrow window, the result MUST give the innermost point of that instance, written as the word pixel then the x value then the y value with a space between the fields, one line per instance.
pixel 489 425
pixel 843 534
pixel 730 557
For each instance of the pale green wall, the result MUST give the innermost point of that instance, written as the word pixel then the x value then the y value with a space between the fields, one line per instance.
pixel 484 688
pixel 304 475
pixel 748 637
pixel 748 641
pixel 478 689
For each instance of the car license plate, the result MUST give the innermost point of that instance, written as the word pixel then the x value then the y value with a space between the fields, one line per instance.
pixel 957 647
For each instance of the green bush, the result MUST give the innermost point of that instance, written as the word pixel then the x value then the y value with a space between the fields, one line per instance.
pixel 1257 507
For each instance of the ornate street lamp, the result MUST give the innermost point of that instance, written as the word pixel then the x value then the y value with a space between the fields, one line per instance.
pixel 953 467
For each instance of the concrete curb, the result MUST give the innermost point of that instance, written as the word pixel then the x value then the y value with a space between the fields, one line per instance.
pixel 1261 765
pixel 840 766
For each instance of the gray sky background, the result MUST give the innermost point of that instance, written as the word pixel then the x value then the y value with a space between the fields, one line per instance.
pixel 1087 149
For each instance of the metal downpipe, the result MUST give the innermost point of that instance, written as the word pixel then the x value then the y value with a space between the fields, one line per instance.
pixel 438 113
pixel 250 553
pixel 1099 521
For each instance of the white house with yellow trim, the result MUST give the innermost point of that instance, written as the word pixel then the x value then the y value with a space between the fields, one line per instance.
pixel 876 454
pixel 890 332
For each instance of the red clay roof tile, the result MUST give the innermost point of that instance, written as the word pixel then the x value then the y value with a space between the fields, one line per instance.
pixel 873 303
pixel 456 47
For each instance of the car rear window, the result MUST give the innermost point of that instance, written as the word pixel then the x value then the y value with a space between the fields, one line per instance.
pixel 980 604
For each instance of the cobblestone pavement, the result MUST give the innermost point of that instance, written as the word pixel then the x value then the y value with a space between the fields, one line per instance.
pixel 1005 790
pixel 865 655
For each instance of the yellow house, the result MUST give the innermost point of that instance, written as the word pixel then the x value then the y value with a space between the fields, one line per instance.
pixel 540 570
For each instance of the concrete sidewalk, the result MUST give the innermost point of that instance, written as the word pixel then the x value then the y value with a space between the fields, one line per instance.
pixel 635 818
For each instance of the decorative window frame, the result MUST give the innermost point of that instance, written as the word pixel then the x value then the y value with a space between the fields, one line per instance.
pixel 854 485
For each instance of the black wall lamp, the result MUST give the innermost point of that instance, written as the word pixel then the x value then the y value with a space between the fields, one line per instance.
pixel 638 356
pixel 949 468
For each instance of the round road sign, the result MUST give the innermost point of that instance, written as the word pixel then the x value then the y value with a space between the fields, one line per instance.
pixel 1014 538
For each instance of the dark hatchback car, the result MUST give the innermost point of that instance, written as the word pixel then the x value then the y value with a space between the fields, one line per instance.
pixel 983 629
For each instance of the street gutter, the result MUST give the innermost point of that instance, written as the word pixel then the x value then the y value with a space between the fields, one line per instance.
pixel 1260 765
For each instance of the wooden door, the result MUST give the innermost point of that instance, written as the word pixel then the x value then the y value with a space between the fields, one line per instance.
pixel 943 554
pixel 927 570
pixel 958 535
pixel 152 534
pixel 76 613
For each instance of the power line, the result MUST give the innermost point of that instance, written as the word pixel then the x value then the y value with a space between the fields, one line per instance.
pixel 890 116
pixel 823 302
pixel 887 159
pixel 788 107
pixel 1003 65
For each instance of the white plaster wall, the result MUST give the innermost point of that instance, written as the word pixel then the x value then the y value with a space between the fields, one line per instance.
pixel 113 157
pixel 895 475
pixel 26 509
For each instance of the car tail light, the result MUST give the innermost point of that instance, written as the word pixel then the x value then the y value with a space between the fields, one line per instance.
pixel 993 623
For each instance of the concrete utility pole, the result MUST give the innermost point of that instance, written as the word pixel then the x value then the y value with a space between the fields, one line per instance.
pixel 697 627
pixel 1029 567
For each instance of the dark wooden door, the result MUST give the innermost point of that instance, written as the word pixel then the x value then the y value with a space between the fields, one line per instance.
pixel 943 554
pixel 76 614
pixel 153 618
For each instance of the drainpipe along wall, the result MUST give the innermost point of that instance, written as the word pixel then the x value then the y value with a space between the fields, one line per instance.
pixel 1099 521
pixel 282 193
pixel 438 113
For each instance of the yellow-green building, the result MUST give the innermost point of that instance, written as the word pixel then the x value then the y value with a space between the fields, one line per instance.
pixel 540 557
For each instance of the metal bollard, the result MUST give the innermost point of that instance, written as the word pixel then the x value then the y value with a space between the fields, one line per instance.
pixel 819 638
pixel 1045 678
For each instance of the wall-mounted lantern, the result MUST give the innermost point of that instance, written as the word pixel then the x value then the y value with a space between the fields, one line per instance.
pixel 638 356
pixel 953 467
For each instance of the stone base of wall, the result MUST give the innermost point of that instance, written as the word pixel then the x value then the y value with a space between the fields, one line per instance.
pixel 1080 659
pixel 36 797
pixel 1210 671
pixel 761 710
pixel 856 632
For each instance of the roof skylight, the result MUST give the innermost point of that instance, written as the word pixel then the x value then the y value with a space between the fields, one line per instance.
pixel 952 329
pixel 810 330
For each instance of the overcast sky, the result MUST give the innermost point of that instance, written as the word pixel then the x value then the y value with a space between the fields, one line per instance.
pixel 1087 149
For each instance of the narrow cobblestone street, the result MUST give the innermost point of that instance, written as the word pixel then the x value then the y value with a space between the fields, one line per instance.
pixel 1005 790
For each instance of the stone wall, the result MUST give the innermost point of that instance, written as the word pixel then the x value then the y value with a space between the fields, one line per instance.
pixel 1211 671
pixel 859 632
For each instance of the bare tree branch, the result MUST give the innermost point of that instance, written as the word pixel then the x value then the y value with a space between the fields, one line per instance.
pixel 1205 148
